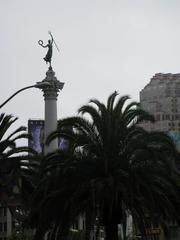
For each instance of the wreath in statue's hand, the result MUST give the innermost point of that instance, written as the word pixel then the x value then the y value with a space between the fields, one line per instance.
pixel 40 42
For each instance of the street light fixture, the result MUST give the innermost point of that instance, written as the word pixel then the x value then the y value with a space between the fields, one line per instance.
pixel 50 87
pixel 37 85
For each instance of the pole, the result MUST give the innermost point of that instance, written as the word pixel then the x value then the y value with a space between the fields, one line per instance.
pixel 38 85
pixel 54 41
pixel 50 100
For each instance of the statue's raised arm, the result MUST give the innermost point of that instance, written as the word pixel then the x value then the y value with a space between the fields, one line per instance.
pixel 52 39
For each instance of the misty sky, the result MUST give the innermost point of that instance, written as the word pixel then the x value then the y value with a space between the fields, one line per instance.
pixel 105 45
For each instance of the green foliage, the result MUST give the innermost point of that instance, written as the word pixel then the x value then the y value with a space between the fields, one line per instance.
pixel 12 157
pixel 113 168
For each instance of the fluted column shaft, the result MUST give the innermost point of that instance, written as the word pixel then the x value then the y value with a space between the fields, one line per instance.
pixel 50 98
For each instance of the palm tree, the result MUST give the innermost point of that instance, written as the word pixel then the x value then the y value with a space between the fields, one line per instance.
pixel 113 167
pixel 19 166
pixel 11 157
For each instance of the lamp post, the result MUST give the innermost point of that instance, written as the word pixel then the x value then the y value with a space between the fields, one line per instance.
pixel 37 85
pixel 50 87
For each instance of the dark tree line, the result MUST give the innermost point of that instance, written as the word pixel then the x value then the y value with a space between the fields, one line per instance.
pixel 112 168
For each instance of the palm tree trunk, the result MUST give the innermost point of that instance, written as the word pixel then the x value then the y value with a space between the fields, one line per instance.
pixel 111 231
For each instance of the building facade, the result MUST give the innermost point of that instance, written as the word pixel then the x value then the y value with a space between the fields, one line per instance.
pixel 6 223
pixel 161 97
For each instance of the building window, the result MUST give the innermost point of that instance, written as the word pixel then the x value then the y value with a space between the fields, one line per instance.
pixel 102 234
pixel 168 93
pixel 1 211
pixel 84 224
pixel 75 224
pixel 167 117
pixel 5 212
pixel 177 117
pixel 5 227
pixel 13 224
pixel 157 117
pixel 177 92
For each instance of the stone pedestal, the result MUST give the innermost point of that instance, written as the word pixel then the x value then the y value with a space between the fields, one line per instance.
pixel 50 97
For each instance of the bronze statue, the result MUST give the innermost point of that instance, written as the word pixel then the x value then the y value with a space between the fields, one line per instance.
pixel 48 56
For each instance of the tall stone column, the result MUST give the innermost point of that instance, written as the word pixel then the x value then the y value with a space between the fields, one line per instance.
pixel 50 97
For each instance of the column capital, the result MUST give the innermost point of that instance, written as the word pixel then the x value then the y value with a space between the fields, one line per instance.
pixel 51 91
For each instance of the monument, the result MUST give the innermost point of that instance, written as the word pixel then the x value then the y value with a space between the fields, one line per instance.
pixel 50 93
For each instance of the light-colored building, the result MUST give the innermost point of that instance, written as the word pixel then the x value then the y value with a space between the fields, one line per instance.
pixel 161 97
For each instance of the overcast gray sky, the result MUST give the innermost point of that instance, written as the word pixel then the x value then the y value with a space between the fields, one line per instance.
pixel 105 45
